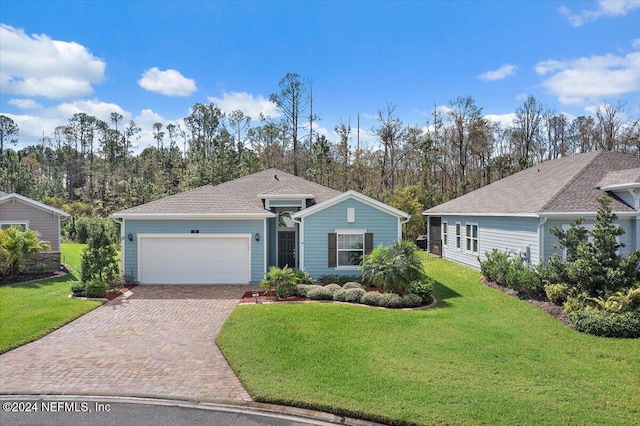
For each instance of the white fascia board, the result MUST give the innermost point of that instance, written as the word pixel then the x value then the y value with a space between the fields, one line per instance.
pixel 164 216
pixel 285 196
pixel 354 195
pixel 621 186
pixel 34 203
pixel 490 214
pixel 560 215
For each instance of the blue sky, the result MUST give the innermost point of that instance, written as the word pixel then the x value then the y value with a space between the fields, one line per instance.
pixel 152 60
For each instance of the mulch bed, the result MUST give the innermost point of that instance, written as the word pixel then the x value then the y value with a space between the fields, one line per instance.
pixel 540 303
pixel 248 297
pixel 21 278
pixel 127 287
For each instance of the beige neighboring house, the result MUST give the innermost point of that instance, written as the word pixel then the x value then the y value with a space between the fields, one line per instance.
pixel 16 209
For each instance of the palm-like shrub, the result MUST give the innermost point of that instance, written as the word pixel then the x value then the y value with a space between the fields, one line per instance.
pixel 282 280
pixel 393 268
pixel 16 245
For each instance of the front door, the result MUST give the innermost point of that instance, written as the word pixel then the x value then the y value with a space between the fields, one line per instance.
pixel 286 249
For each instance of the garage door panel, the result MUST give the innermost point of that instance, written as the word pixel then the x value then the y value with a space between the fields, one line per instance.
pixel 199 260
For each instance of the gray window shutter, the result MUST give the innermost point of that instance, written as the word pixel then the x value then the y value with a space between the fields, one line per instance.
pixel 368 242
pixel 333 250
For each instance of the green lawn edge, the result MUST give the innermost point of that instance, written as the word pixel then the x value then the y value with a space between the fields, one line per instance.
pixel 478 357
pixel 31 310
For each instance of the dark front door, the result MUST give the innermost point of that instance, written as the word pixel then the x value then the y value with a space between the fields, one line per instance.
pixel 287 248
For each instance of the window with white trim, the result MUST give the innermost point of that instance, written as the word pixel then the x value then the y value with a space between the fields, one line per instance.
pixel 458 235
pixel 472 238
pixel 445 234
pixel 22 226
pixel 350 249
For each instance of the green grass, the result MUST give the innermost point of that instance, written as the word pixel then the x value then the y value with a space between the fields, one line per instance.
pixel 30 310
pixel 478 357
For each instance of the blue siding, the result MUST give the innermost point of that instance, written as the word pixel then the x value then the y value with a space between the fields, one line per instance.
pixel 502 233
pixel 135 227
pixel 318 225
pixel 628 239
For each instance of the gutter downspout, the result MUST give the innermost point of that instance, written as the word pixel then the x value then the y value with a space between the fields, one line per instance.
pixel 300 256
pixel 543 220
pixel 400 227
pixel 636 198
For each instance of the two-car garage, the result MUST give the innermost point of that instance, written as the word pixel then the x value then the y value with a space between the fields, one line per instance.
pixel 194 258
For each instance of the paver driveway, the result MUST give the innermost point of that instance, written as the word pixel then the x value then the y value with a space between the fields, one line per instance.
pixel 159 341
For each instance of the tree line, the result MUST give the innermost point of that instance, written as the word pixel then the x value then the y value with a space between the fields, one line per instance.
pixel 89 166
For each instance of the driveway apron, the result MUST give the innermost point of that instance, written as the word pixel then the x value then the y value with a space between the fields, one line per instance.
pixel 159 341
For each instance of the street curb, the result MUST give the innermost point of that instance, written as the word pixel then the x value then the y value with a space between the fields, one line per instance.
pixel 245 407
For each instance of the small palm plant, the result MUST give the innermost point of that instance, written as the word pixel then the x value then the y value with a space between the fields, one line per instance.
pixel 282 280
pixel 16 245
pixel 393 268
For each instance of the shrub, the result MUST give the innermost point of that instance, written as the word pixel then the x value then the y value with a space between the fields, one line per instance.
pixel 78 290
pixel 576 303
pixel 353 295
pixel 320 293
pixel 333 287
pixel 557 293
pixel 338 279
pixel 99 258
pixel 371 298
pixel 390 300
pixel 303 277
pixel 16 245
pixel 391 268
pixel 410 300
pixel 339 295
pixel 282 280
pixel 422 288
pixel 351 284
pixel 619 302
pixel 496 266
pixel 96 288
pixel 302 289
pixel 606 324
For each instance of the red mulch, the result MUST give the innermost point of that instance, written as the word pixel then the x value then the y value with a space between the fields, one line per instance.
pixel 127 287
pixel 540 303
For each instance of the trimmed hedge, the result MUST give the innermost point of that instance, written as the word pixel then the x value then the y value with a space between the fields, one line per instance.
pixel 333 288
pixel 339 295
pixel 351 284
pixel 411 300
pixel 606 324
pixel 320 293
pixel 353 295
pixel 390 300
pixel 371 298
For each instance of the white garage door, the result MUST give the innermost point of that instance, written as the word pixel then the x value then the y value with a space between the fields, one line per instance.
pixel 194 259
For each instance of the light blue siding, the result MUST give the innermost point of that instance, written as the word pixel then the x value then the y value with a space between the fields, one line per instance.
pixel 628 239
pixel 510 234
pixel 318 226
pixel 135 227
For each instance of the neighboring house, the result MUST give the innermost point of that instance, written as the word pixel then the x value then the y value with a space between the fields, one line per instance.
pixel 233 232
pixel 21 211
pixel 514 214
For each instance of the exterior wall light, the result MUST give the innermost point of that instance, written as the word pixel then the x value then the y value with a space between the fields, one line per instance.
pixel 257 237
pixel 130 236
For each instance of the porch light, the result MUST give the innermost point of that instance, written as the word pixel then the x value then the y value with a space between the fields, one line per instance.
pixel 257 237
pixel 130 237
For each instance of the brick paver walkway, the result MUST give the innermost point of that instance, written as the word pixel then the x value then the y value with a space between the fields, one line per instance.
pixel 159 341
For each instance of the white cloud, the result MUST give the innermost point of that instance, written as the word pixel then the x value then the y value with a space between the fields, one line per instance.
pixel 500 74
pixel 578 80
pixel 609 8
pixel 168 82
pixel 522 96
pixel 25 103
pixel 251 105
pixel 635 43
pixel 505 120
pixel 36 65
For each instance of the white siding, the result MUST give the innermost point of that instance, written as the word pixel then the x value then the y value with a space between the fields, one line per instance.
pixel 502 233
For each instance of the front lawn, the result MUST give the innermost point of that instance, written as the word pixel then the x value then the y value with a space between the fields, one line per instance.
pixel 30 310
pixel 478 357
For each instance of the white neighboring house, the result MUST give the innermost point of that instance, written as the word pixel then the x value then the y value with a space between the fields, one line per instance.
pixel 515 213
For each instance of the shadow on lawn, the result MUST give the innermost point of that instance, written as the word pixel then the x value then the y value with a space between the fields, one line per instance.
pixel 70 276
pixel 443 293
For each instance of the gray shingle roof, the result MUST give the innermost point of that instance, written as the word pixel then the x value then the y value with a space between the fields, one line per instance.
pixel 620 177
pixel 567 184
pixel 236 197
